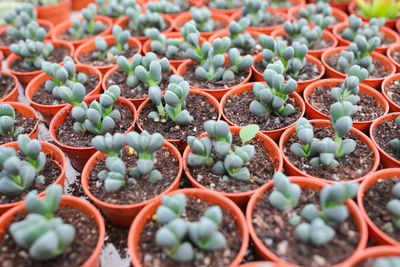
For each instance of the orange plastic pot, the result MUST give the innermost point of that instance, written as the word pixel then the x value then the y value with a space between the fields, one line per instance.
pixel 375 252
pixel 258 264
pixel 292 170
pixel 376 233
pixel 217 93
pixel 66 202
pixel 52 152
pixel 242 198
pixel 352 9
pixel 80 155
pixel 389 52
pixel 375 83
pixel 313 113
pixel 90 46
pixel 25 77
pixel 285 9
pixel 78 5
pixel 262 250
pixel 123 215
pixel 204 195
pixel 326 35
pixel 389 33
pixel 55 13
pixel 386 160
pixel 186 16
pixel 64 26
pixel 13 95
pixel 393 107
pixel 248 87
pixel 48 111
pixel 301 85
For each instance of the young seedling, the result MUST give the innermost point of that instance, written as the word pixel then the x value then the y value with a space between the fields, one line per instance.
pixel 42 2
pixel 110 144
pixel 171 47
pixel 88 25
pixel 32 149
pixel 300 31
pixel 202 19
pixel 115 8
pixel 168 6
pixel 7 121
pixel 394 144
pixel 318 14
pixel 172 208
pixel 33 53
pixel 223 4
pixel 121 38
pixel 393 207
pixel 31 31
pixel 387 262
pixel 256 11
pixel 317 232
pixel 242 41
pixel 355 28
pixel 379 8
pixel 20 16
pixel 44 236
pixel 205 54
pixel 139 22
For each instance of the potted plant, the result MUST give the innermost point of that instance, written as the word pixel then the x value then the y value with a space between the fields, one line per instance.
pixel 173 8
pixel 71 232
pixel 41 92
pixel 8 87
pixel 294 62
pixel 103 52
pixel 369 103
pixel 74 126
pixel 378 200
pixel 121 180
pixel 378 255
pixel 393 54
pixel 55 11
pixel 17 118
pixel 287 226
pixel 389 91
pixel 224 220
pixel 76 31
pixel 115 9
pixel 285 5
pixel 228 164
pixel 78 5
pixel 226 8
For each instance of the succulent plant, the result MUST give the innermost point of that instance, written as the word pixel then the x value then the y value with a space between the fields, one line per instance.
pixel 139 22
pixel 300 31
pixel 42 2
pixel 115 8
pixel 230 162
pixel 224 4
pixel 393 208
pixel 88 25
pixel 7 121
pixel 379 8
pixel 121 38
pixel 171 208
pixel 256 11
pixel 318 14
pixel 202 19
pixel 33 53
pixel 206 52
pixel 168 6
pixel 20 16
pixel 31 31
pixel 317 232
pixel 285 195
pixel 44 236
pixel 372 29
pixel 171 47
pixel 242 41
pixel 394 144
pixel 387 262
pixel 32 149
pixel 110 144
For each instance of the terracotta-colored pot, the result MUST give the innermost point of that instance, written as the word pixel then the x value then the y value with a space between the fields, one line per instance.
pixel 239 198
pixel 48 111
pixel 217 93
pixel 313 113
pixel 55 13
pixel 124 21
pixel 266 254
pixel 352 9
pixel 13 95
pixel 80 155
pixel 337 13
pixel 388 32
pixel 397 26
pixel 78 5
pixel 64 26
pixel 386 160
pixel 285 9
pixel 136 101
pixel 301 85
pixel 90 46
pixel 273 134
pixel 258 264
pixel 66 202
pixel 375 252
pixel 185 17
pixel 393 107
pixel 376 233
pixel 292 170
pixel 389 52
pixel 375 83
pixel 204 195
pixel 25 77
pixel 173 62
pixel 326 35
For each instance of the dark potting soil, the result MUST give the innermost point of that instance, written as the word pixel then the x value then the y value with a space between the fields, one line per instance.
pixel 368 109
pixel 375 199
pixel 67 136
pixel 92 60
pixel 261 170
pixel 379 70
pixel 237 110
pixel 153 255
pixel 141 34
pixel 165 163
pixel 367 263
pixel 86 237
pixel 278 235
pixel 198 82
pixel 217 26
pixel 119 78
pixel 310 71
pixel 198 106
pixel 175 57
pixel 384 133
pixel 50 172
pixel 385 41
pixel 42 97
pixel 56 56
pixel 320 44
pixel 7 84
pixel 28 124
pixel 392 90
pixel 396 56
pixel 352 166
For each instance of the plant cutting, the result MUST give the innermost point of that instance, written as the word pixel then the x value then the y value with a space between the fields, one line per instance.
pixel 53 11
pixel 170 7
pixel 115 9
pixel 49 230
pixel 8 87
pixel 130 176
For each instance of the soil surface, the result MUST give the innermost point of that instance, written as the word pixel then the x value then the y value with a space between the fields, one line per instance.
pixel 393 91
pixel 67 136
pixel 352 166
pixel 309 72
pixel 384 133
pixel 7 84
pixel 261 170
pixel 165 163
pixel 237 110
pixel 385 41
pixel 28 124
pixel 368 109
pixel 278 235
pixel 153 255
pixel 86 236
pixel 91 59
pixel 321 44
pixel 396 56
